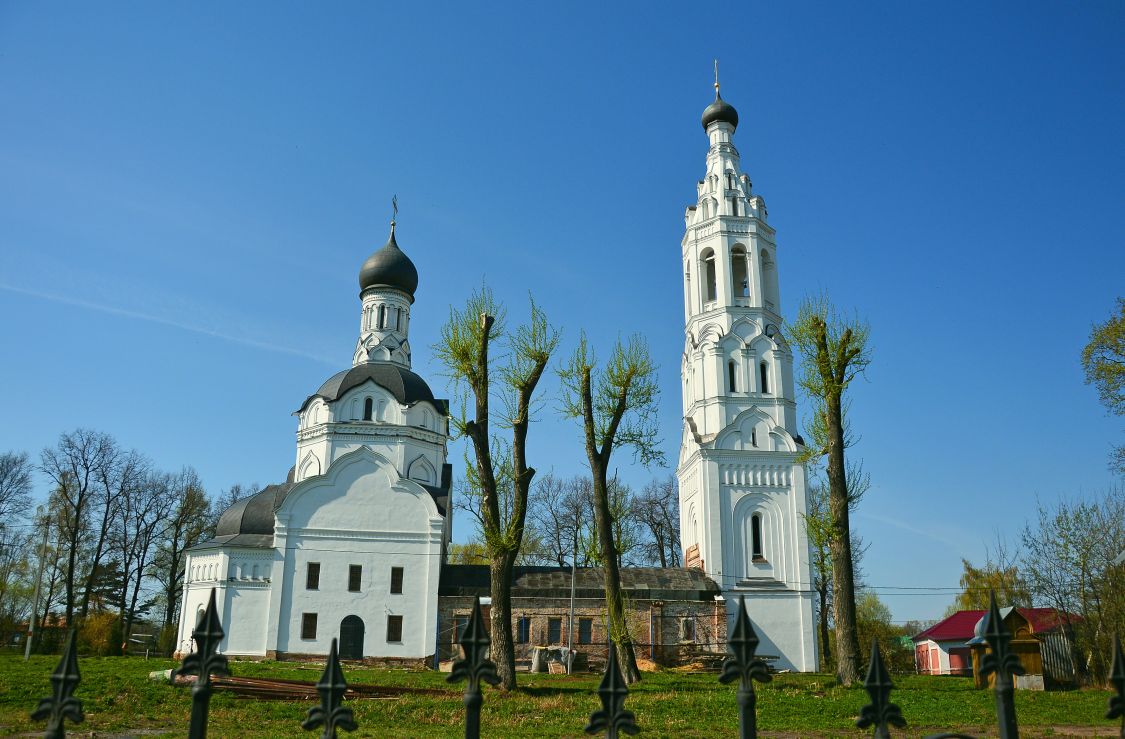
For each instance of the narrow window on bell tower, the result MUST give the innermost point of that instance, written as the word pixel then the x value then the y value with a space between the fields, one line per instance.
pixel 740 285
pixel 367 409
pixel 756 538
pixel 709 276
pixel 731 375
pixel 382 316
pixel 764 376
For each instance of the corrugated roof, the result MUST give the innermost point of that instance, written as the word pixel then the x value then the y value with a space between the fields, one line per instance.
pixel 648 583
pixel 961 626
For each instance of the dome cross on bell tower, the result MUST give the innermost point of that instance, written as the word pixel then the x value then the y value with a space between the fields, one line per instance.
pixel 387 281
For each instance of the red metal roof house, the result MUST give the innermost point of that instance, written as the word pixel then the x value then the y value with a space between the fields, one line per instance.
pixel 943 648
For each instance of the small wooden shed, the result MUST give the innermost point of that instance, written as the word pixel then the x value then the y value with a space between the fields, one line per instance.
pixel 1041 641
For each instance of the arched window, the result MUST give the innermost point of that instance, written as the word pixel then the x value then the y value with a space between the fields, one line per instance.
pixel 739 281
pixel 709 276
pixel 731 376
pixel 367 405
pixel 764 376
pixel 398 319
pixel 382 316
pixel 756 538
pixel 753 437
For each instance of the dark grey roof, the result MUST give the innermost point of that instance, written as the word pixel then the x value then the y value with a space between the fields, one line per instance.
pixel 645 583
pixel 389 267
pixel 261 541
pixel 407 387
pixel 253 514
pixel 720 110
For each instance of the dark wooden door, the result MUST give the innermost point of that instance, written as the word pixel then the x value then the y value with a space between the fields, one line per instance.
pixel 351 638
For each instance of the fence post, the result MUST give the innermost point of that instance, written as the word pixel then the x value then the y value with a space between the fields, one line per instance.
pixel 204 663
pixel 62 705
pixel 880 711
pixel 743 663
pixel 1004 664
pixel 1117 681
pixel 612 716
pixel 331 687
pixel 474 667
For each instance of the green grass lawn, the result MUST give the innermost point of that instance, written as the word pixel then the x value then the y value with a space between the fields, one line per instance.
pixel 119 698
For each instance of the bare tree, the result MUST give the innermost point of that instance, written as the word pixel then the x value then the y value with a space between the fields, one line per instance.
pixel 657 509
pixel 75 466
pixel 561 514
pixel 818 525
pixel 616 408
pixel 187 525
pixel 1069 562
pixel 232 495
pixel 143 514
pixel 499 474
pixel 834 350
pixel 15 485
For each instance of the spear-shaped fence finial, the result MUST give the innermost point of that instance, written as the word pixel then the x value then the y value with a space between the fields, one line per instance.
pixel 62 705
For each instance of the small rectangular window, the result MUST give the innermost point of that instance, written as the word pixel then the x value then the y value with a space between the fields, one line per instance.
pixel 585 630
pixel 312 578
pixel 554 630
pixel 308 625
pixel 394 628
pixel 458 627
pixel 396 579
pixel 355 577
pixel 523 630
pixel 687 629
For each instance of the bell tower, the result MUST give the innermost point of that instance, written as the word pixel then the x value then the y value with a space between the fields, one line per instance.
pixel 742 491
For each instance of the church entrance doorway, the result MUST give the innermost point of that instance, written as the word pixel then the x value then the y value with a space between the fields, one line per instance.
pixel 351 638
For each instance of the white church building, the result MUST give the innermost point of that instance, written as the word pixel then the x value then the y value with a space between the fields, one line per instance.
pixel 353 544
pixel 742 491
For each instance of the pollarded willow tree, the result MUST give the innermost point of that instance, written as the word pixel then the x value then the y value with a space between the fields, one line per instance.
pixel 498 476
pixel 616 407
pixel 834 350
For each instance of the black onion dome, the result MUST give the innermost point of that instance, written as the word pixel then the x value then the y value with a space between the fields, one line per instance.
pixel 720 110
pixel 389 267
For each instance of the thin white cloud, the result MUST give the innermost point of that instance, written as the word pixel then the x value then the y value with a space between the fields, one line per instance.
pixel 125 313
pixel 912 529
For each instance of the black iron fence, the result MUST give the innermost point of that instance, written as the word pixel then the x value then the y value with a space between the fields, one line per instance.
pixel 611 720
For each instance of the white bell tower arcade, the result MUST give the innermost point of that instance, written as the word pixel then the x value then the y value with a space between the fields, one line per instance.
pixel 742 491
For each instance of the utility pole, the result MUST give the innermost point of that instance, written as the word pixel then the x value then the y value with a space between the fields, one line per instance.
pixel 573 583
pixel 38 585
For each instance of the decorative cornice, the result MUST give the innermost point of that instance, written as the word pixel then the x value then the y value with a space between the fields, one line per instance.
pixel 372 430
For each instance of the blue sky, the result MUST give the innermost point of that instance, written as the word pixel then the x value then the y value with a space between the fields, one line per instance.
pixel 187 192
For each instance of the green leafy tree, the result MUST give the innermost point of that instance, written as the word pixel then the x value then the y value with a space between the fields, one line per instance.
pixel 498 477
pixel 834 350
pixel 999 574
pixel 616 407
pixel 1103 360
pixel 873 622
pixel 468 553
